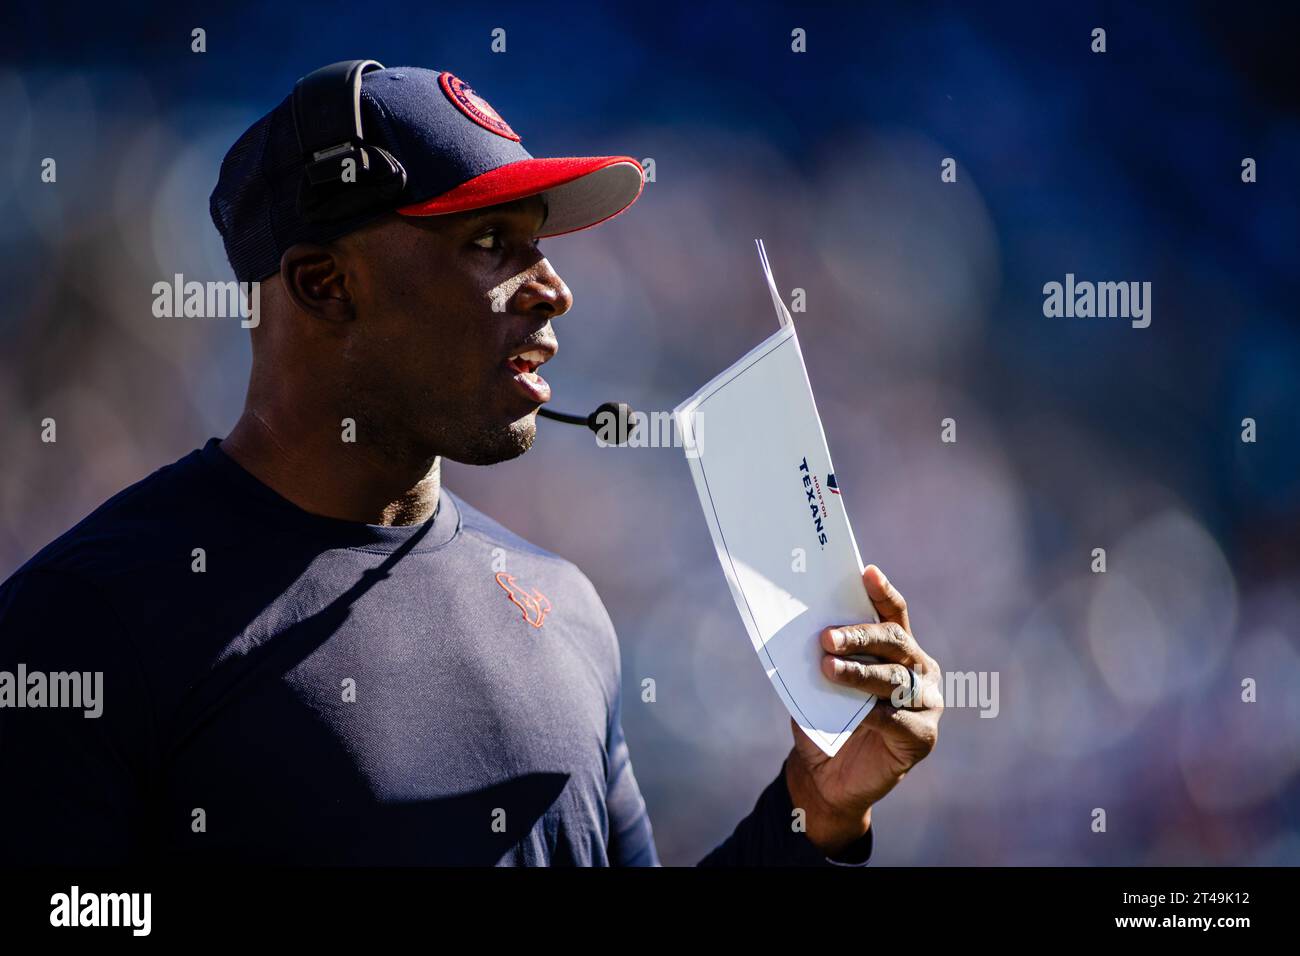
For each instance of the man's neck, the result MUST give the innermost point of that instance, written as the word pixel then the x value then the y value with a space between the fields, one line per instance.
pixel 324 475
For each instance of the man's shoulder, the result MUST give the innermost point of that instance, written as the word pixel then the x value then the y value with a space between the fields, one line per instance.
pixel 131 529
pixel 493 535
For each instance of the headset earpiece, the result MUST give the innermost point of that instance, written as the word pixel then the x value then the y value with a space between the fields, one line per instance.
pixel 343 176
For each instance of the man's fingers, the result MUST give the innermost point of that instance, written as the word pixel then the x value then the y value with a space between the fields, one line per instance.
pixel 887 640
pixel 917 730
pixel 885 598
pixel 879 679
pixel 901 686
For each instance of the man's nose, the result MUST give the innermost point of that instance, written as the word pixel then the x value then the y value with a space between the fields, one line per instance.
pixel 543 294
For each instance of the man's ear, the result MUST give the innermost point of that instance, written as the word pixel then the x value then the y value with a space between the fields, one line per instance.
pixel 317 282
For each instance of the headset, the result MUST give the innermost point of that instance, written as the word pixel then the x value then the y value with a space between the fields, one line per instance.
pixel 327 120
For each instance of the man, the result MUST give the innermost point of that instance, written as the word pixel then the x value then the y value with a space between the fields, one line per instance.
pixel 312 652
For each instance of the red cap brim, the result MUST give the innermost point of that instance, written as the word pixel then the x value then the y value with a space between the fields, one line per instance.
pixel 580 191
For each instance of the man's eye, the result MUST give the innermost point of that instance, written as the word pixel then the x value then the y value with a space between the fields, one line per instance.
pixel 490 241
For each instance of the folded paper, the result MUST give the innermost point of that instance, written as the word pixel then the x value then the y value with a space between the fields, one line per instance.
pixel 757 452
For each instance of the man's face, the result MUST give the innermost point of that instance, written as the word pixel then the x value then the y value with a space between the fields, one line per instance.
pixel 443 305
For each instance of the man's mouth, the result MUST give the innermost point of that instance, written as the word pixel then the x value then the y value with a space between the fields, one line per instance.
pixel 523 366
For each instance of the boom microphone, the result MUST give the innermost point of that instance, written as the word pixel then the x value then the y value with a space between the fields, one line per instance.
pixel 611 421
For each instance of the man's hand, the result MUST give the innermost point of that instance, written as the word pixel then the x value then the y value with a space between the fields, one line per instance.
pixel 837 793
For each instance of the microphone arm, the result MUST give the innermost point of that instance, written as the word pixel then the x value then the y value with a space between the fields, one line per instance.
pixel 615 416
pixel 563 417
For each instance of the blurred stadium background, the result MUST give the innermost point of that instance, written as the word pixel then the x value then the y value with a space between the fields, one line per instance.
pixel 1120 690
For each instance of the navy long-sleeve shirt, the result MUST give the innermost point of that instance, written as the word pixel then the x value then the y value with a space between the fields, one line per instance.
pixel 282 687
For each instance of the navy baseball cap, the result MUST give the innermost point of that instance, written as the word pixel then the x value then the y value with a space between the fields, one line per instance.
pixel 458 152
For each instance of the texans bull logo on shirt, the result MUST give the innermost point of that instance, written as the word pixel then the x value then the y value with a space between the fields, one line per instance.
pixel 533 603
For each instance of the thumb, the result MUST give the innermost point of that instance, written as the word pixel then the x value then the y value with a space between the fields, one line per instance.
pixel 885 598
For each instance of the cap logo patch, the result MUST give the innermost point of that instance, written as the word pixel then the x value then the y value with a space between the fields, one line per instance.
pixel 474 106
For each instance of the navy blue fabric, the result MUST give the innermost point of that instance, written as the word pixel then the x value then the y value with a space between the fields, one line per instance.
pixel 225 692
pixel 403 110
pixel 438 144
